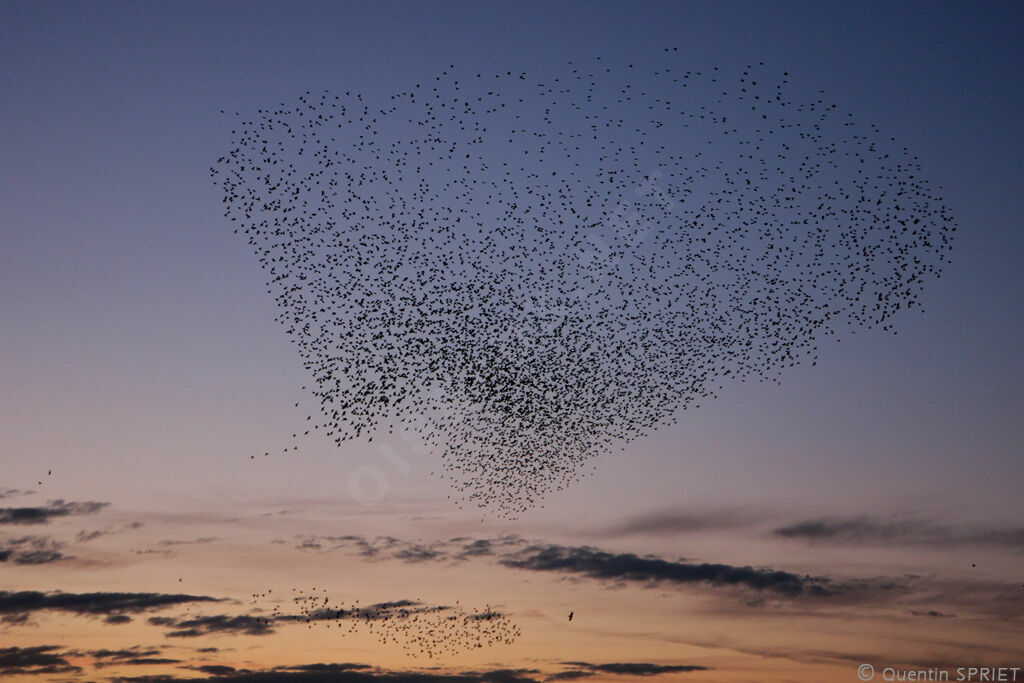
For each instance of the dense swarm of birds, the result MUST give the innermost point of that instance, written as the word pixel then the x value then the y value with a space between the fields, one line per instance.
pixel 531 272
pixel 421 630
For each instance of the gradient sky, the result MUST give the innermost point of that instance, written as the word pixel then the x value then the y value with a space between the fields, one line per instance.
pixel 140 364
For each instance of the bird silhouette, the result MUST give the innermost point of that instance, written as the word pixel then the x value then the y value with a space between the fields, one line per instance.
pixel 421 630
pixel 526 272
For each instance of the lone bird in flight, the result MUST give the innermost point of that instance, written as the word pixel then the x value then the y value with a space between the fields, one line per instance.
pixel 570 616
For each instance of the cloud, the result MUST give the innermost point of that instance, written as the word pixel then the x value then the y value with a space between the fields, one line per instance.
pixel 92 604
pixel 43 514
pixel 34 660
pixel 117 619
pixel 193 627
pixel 344 673
pixel 326 668
pixel 775 589
pixel 216 669
pixel 138 661
pixel 419 553
pixel 627 567
pixel 388 547
pixel 913 532
pixel 571 675
pixel 772 588
pixel 363 673
pixel 39 557
pixel 16 619
pixel 85 536
pixel 11 493
pixel 478 548
pixel 679 522
pixel 126 653
pixel 506 675
pixel 31 550
pixel 134 656
pixel 364 547
pixel 197 541
pixel 585 669
pixel 516 553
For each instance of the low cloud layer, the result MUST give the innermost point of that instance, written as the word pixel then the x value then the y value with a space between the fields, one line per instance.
pixel 363 673
pixel 586 669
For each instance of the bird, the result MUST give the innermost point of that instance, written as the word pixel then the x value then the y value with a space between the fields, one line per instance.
pixel 570 616
pixel 422 630
pixel 524 272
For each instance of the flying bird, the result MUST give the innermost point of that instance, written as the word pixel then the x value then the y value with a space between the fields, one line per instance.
pixel 525 272
pixel 420 629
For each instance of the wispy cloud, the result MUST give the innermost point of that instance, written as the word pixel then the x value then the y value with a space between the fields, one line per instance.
pixel 31 550
pixel 589 562
pixel 43 514
pixel 86 536
pixel 195 541
pixel 389 547
pixel 363 546
pixel 906 532
pixel 41 659
pixel 117 619
pixel 124 653
pixel 586 669
pixel 95 604
pixel 763 586
pixel 627 567
pixel 674 522
pixel 215 669
pixel 193 627
pixel 134 656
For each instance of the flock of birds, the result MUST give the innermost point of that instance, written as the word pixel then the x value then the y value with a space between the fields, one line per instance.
pixel 421 630
pixel 532 272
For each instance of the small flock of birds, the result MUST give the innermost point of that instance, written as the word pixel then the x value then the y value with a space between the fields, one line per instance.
pixel 528 273
pixel 421 630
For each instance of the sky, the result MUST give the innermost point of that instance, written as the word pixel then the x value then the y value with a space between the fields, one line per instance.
pixel 861 510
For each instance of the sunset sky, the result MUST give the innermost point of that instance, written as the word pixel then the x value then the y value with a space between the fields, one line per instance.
pixel 863 510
